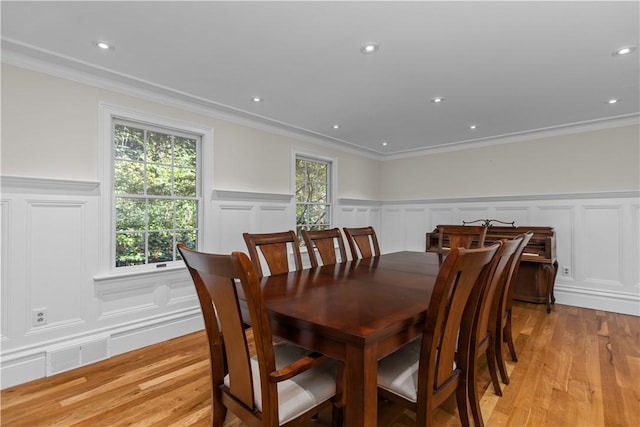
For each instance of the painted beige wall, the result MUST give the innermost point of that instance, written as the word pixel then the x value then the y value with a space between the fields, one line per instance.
pixel 50 130
pixel 601 160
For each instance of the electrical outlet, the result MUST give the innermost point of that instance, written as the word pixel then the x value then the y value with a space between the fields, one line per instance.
pixel 566 271
pixel 39 317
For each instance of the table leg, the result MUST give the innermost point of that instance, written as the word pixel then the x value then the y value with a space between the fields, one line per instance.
pixel 361 388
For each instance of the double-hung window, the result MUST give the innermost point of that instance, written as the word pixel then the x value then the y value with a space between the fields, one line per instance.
pixel 313 194
pixel 157 192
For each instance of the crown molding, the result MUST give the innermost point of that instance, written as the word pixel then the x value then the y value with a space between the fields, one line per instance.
pixel 42 61
pixel 35 59
pixel 566 129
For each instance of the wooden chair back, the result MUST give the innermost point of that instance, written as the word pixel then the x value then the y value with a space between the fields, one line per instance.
pixel 446 332
pixel 362 240
pixel 461 236
pixel 483 329
pixel 492 290
pixel 215 278
pixel 507 294
pixel 503 311
pixel 275 249
pixel 324 242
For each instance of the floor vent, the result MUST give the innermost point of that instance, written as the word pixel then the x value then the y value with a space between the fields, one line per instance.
pixel 64 359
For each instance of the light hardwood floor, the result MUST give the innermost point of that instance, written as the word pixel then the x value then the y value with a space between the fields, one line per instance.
pixel 577 367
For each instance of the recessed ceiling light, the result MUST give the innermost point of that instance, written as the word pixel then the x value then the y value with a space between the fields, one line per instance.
pixel 624 51
pixel 437 100
pixel 473 127
pixel 613 101
pixel 369 48
pixel 103 45
pixel 336 126
pixel 385 143
pixel 256 99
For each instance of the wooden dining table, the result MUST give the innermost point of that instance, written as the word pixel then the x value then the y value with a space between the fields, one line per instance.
pixel 357 312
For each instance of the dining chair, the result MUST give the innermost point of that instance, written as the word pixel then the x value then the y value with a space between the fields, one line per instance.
pixel 275 249
pixel 505 302
pixel 424 373
pixel 325 243
pixel 283 383
pixel 461 236
pixel 483 331
pixel 362 240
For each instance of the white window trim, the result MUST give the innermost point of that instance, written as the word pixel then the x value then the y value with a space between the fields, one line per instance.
pixel 107 112
pixel 295 153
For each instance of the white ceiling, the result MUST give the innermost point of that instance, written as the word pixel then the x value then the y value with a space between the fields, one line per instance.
pixel 509 67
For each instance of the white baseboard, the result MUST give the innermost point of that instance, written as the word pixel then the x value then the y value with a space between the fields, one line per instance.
pixel 598 300
pixel 23 365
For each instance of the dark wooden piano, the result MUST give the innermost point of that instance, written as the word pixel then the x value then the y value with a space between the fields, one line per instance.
pixel 538 267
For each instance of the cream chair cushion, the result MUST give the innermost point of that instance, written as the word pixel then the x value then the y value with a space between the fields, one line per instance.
pixel 398 372
pixel 301 392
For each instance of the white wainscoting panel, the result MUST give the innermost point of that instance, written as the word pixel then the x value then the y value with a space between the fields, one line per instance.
pixel 602 242
pixel 416 218
pixel 562 218
pixel 56 260
pixel 4 268
pixel 632 249
pixel 51 258
pixel 597 238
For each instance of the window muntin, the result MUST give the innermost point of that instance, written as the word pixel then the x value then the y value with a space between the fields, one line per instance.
pixel 157 194
pixel 313 195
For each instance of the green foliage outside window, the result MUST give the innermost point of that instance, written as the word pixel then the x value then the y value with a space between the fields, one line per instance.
pixel 312 195
pixel 156 195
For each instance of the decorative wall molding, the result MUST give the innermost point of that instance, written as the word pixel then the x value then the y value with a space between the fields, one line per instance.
pixel 26 56
pixel 565 129
pixel 359 202
pixel 5 266
pixel 141 308
pixel 56 186
pixel 518 198
pixel 618 302
pixel 29 362
pixel 247 196
pixel 31 58
pixel 593 238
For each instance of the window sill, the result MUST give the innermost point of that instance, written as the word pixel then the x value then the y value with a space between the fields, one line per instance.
pixel 115 275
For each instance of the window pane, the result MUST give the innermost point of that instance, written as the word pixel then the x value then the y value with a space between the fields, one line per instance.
pixel 128 177
pixel 160 214
pixel 302 213
pixel 160 169
pixel 317 193
pixel 316 171
pixel 186 214
pixel 301 192
pixel 185 150
pixel 318 214
pixel 159 148
pixel 189 238
pixel 159 180
pixel 185 182
pixel 128 143
pixel 130 214
pixel 129 249
pixel 160 246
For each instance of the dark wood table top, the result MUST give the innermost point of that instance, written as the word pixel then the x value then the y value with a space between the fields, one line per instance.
pixel 357 311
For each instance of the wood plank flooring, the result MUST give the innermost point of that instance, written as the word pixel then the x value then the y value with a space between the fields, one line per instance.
pixel 577 367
